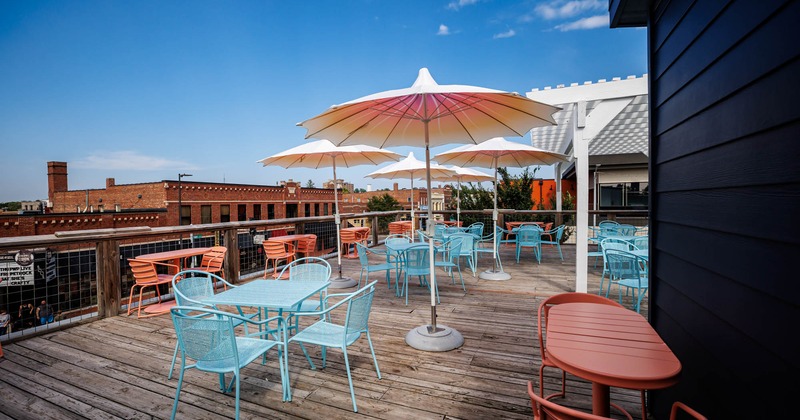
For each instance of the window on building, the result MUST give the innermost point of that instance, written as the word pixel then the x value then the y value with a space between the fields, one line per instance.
pixel 629 195
pixel 291 211
pixel 241 212
pixel 256 211
pixel 224 213
pixel 325 209
pixel 308 210
pixel 270 211
pixel 186 215
pixel 316 209
pixel 205 214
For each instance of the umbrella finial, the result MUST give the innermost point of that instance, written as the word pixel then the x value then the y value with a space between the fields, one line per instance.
pixel 424 78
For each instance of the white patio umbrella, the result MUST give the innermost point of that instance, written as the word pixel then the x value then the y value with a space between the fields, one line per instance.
pixel 463 175
pixel 494 153
pixel 411 168
pixel 323 154
pixel 428 114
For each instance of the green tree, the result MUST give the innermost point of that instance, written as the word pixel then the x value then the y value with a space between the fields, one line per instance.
pixel 514 192
pixel 473 197
pixel 310 184
pixel 383 202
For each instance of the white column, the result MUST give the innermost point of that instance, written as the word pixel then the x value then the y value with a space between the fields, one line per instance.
pixel 581 151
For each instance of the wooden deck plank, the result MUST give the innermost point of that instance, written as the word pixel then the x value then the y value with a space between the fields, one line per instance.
pixel 117 367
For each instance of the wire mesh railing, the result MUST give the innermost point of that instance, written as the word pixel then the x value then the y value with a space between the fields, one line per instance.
pixel 63 272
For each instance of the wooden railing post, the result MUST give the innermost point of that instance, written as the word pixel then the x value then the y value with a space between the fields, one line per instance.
pixel 231 266
pixel 109 281
pixel 375 227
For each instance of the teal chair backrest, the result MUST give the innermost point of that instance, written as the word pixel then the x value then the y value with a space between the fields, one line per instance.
pixel 626 230
pixel 309 269
pixel 451 249
pixel 467 242
pixel 438 231
pixel 206 338
pixel 476 229
pixel 358 311
pixel 416 258
pixel 623 265
pixel 190 291
pixel 529 236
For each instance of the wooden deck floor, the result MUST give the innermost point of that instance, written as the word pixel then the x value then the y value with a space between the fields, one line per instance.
pixel 117 367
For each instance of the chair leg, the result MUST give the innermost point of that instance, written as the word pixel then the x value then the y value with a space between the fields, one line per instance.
pixel 178 390
pixel 349 378
pixel 172 365
pixel 305 352
pixel 130 299
pixel 372 350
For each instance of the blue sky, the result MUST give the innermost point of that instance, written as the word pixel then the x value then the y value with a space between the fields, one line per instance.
pixel 143 90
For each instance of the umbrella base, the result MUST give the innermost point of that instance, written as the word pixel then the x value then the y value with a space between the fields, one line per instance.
pixel 494 275
pixel 342 283
pixel 443 339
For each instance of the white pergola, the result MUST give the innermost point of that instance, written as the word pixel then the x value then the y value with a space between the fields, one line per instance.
pixel 607 117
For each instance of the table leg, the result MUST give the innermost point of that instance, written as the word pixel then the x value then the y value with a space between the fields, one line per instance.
pixel 601 399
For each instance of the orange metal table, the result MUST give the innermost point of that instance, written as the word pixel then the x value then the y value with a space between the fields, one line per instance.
pixel 609 346
pixel 292 239
pixel 176 257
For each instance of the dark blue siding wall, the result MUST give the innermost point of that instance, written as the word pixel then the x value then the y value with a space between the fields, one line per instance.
pixel 725 210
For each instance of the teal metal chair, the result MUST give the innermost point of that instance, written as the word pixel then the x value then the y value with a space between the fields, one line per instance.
pixel 207 337
pixel 555 235
pixel 476 229
pixel 485 245
pixel 191 287
pixel 467 249
pixel 366 267
pixel 325 333
pixel 449 252
pixel 610 244
pixel 306 269
pixel 529 237
pixel 415 263
pixel 629 271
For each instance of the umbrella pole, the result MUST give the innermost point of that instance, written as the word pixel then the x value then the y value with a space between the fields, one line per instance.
pixel 494 273
pixel 458 204
pixel 432 337
pixel 413 225
pixel 339 282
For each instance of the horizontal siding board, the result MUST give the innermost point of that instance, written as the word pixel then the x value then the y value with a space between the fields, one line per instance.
pixel 739 115
pixel 685 34
pixel 710 306
pixel 710 349
pixel 711 70
pixel 749 264
pixel 764 158
pixel 668 15
pixel 768 213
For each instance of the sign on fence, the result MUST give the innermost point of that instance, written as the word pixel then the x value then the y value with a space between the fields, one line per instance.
pixel 17 269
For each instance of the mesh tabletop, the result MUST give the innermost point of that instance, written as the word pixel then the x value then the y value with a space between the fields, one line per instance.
pixel 276 294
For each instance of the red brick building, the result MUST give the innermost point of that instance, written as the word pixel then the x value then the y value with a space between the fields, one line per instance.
pixel 156 204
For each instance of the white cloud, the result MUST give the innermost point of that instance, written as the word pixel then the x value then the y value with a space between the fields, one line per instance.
pixel 129 160
pixel 560 9
pixel 455 5
pixel 443 30
pixel 507 34
pixel 593 22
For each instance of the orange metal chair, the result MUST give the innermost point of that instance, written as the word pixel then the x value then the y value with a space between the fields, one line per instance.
pixel 145 275
pixel 545 409
pixel 276 251
pixel 349 237
pixel 307 247
pixel 213 260
pixel 544 311
pixel 677 405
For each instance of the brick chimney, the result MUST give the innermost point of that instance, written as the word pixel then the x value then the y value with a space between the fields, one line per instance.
pixel 110 182
pixel 56 178
pixel 395 187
